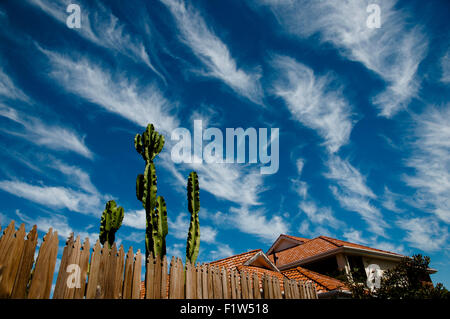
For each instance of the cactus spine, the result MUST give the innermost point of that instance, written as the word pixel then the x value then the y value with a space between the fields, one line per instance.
pixel 110 222
pixel 193 239
pixel 150 144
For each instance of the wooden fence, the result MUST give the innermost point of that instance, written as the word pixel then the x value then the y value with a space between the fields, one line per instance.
pixel 107 273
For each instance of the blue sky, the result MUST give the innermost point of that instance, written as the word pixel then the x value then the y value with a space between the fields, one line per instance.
pixel 363 118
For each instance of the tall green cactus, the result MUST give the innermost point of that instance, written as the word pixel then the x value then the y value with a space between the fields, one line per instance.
pixel 193 239
pixel 110 222
pixel 150 144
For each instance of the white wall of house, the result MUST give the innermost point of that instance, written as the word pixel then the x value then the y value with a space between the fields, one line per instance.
pixel 375 268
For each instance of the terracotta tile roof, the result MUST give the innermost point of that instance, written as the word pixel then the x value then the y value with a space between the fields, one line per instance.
pixel 261 271
pixel 314 247
pixel 341 243
pixel 236 260
pixel 310 248
pixel 323 283
pixel 142 289
pixel 296 238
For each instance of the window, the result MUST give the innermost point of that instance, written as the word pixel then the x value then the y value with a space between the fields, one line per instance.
pixel 326 267
pixel 357 268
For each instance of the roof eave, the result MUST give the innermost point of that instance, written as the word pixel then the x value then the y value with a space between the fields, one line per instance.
pixel 281 237
pixel 263 255
pixel 343 249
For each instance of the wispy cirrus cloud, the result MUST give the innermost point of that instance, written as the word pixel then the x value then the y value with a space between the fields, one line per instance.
pixel 76 176
pixel 51 136
pixel 355 236
pixel 353 194
pixel 58 197
pixel 9 90
pixel 320 217
pixel 76 192
pixel 114 92
pixel 393 51
pixel 390 199
pixel 313 102
pixel 212 52
pixel 101 27
pixel 57 222
pixel 233 182
pixel 430 159
pixel 180 226
pixel 424 233
pixel 34 130
pixel 445 66
pixel 256 222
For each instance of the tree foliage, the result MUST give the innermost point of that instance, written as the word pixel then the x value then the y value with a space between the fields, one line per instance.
pixel 409 279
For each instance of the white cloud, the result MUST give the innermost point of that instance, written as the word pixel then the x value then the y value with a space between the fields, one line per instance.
pixel 176 250
pixel 58 223
pixel 445 65
pixel 430 160
pixel 353 194
pixel 355 236
pixel 389 200
pixel 208 234
pixel 9 90
pixel 136 237
pixel 4 220
pixel 51 136
pixel 348 177
pixel 221 251
pixel 300 163
pixel 306 229
pixel 256 223
pixel 321 216
pixel 313 102
pixel 232 182
pixel 55 196
pixel 180 227
pixel 134 218
pixel 76 176
pixel 113 92
pixel 318 216
pixel 425 233
pixel 213 53
pixel 300 187
pixel 393 51
pixel 102 28
pixel 399 249
pixel 251 221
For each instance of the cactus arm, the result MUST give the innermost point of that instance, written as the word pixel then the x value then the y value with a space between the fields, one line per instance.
pixel 149 189
pixel 110 222
pixel 103 233
pixel 193 239
pixel 138 143
pixel 160 226
pixel 193 191
pixel 140 187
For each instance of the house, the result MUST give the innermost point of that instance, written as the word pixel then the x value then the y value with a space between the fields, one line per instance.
pixel 319 260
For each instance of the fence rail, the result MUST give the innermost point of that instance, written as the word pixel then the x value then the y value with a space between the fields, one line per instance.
pixel 107 273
